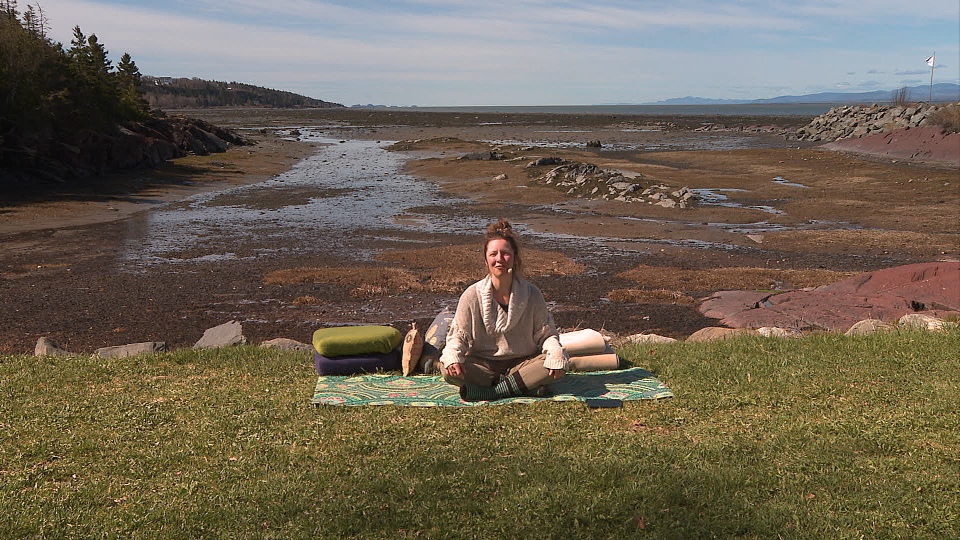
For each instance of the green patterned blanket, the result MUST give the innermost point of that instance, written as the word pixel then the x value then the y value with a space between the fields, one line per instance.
pixel 432 391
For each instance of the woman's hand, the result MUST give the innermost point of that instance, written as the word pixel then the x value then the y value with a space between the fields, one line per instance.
pixel 556 373
pixel 454 370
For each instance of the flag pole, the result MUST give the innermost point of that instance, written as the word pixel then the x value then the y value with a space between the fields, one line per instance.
pixel 933 61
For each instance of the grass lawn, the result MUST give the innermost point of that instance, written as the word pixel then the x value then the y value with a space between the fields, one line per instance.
pixel 822 437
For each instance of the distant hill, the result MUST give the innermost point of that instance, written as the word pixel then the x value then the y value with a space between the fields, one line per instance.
pixel 172 93
pixel 942 92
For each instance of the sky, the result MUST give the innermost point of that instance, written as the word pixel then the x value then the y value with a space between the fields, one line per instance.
pixel 529 52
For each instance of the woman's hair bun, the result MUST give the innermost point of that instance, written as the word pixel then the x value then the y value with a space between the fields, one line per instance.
pixel 502 226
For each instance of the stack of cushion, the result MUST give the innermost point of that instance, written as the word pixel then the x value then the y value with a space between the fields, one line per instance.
pixel 347 350
pixel 589 351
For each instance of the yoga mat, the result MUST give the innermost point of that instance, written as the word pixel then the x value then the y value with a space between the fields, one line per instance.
pixel 433 391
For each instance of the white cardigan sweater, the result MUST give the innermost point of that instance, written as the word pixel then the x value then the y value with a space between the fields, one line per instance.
pixel 482 329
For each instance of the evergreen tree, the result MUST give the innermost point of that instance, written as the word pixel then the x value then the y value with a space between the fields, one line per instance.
pixel 78 45
pixel 8 9
pixel 128 81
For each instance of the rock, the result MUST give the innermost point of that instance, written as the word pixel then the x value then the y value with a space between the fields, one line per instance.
pixel 887 294
pixel 482 156
pixel 131 349
pixel 225 335
pixel 46 347
pixel 855 122
pixel 286 345
pixel 667 203
pixel 867 327
pixel 777 332
pixel 648 339
pixel 541 162
pixel 716 333
pixel 758 238
pixel 500 177
pixel 920 321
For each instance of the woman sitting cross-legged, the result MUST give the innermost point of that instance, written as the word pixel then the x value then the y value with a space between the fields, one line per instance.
pixel 502 341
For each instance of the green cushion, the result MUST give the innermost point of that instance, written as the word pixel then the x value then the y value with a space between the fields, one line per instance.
pixel 353 340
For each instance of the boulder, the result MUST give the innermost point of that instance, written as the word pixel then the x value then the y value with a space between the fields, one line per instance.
pixel 286 345
pixel 716 333
pixel 482 156
pixel 47 347
pixel 500 177
pixel 541 162
pixel 921 321
pixel 225 335
pixel 777 332
pixel 868 326
pixel 648 339
pixel 131 349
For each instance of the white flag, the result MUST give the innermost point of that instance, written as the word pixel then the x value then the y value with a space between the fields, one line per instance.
pixel 930 60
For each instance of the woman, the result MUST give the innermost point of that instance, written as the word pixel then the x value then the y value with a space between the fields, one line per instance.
pixel 502 341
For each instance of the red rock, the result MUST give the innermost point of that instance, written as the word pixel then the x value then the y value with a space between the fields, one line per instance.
pixel 888 294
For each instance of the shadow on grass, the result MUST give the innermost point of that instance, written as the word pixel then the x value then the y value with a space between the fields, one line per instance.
pixel 596 385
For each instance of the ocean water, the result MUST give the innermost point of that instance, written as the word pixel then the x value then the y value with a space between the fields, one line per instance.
pixel 747 109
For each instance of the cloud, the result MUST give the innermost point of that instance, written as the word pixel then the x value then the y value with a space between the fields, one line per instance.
pixel 912 72
pixel 459 52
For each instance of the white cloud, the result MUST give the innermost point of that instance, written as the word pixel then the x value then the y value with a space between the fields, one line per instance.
pixel 498 52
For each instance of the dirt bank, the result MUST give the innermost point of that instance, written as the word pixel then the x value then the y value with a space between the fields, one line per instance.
pixel 927 144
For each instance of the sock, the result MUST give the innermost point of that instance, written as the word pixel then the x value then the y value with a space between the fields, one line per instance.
pixel 509 386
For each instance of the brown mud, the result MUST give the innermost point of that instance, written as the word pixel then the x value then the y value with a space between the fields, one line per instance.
pixel 794 216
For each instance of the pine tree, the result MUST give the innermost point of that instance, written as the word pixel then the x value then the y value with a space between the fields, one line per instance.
pixel 8 8
pixel 79 52
pixel 128 81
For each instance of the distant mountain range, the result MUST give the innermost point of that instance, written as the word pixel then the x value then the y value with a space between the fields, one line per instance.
pixel 942 92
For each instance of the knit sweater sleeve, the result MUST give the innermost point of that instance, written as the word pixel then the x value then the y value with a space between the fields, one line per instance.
pixel 546 335
pixel 460 334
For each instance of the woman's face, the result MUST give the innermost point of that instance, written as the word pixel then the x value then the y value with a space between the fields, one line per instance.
pixel 499 257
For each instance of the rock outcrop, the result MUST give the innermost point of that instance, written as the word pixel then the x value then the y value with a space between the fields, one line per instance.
pixel 66 157
pixel 851 121
pixel 589 181
pixel 931 289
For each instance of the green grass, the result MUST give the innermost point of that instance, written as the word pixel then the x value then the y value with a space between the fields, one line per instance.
pixel 824 437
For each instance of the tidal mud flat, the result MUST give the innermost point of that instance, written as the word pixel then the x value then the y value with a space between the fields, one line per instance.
pixel 363 230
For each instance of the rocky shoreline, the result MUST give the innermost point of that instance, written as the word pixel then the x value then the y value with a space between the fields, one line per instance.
pixel 793 217
pixel 48 158
pixel 860 120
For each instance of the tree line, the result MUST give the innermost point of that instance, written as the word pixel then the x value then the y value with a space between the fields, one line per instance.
pixel 170 93
pixel 45 87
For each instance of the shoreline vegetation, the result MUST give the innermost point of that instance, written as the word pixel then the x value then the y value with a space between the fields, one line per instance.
pixel 824 436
